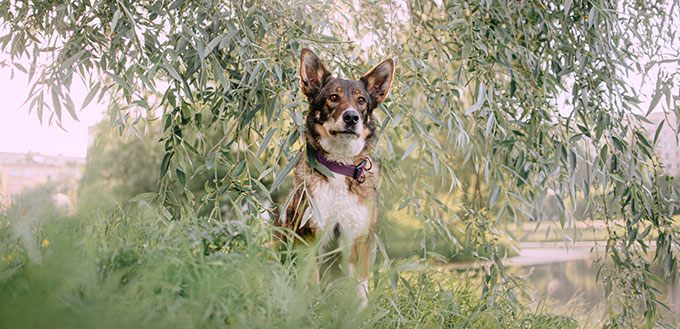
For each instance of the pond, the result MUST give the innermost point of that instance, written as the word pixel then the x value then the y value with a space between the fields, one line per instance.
pixel 564 282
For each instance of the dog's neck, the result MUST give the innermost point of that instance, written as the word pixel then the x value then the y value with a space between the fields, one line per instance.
pixel 342 151
pixel 345 152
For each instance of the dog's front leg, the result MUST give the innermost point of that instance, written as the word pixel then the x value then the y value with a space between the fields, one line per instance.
pixel 316 272
pixel 359 267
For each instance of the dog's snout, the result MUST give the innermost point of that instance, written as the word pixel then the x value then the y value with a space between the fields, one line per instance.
pixel 350 117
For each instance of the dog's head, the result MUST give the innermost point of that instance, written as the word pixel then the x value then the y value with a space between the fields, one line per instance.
pixel 340 119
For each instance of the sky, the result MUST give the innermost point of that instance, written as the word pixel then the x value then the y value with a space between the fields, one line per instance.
pixel 22 132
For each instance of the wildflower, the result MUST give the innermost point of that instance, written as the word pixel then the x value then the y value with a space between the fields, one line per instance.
pixel 9 257
pixel 45 243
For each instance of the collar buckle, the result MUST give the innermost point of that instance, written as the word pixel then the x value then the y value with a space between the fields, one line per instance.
pixel 361 169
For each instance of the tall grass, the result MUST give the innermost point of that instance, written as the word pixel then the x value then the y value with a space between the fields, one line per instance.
pixel 136 269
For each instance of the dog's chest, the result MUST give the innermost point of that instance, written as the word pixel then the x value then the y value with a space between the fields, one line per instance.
pixel 337 205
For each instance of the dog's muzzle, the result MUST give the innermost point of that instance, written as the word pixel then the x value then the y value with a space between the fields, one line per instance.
pixel 350 117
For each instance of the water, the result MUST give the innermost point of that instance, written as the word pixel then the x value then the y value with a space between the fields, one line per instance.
pixel 568 286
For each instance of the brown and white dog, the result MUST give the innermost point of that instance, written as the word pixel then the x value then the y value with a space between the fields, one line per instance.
pixel 339 131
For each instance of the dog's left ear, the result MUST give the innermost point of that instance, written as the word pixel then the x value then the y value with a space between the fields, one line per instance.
pixel 378 80
pixel 313 74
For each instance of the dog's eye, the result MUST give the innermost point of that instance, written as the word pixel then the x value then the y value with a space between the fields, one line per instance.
pixel 333 98
pixel 361 101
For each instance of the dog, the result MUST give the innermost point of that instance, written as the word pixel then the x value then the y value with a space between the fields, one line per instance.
pixel 335 194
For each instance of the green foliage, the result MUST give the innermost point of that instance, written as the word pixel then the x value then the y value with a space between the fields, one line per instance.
pixel 530 96
pixel 137 269
pixel 118 168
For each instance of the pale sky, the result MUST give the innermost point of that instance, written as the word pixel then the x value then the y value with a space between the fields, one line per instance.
pixel 21 132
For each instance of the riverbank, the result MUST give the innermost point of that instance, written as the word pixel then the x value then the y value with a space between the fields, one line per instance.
pixel 542 253
pixel 539 253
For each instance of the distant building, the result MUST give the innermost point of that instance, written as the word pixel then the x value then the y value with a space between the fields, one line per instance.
pixel 666 147
pixel 24 170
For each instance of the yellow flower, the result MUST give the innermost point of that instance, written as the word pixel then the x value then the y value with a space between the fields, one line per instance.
pixel 45 243
pixel 9 257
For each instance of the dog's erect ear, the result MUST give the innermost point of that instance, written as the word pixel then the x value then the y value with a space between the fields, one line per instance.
pixel 378 80
pixel 312 73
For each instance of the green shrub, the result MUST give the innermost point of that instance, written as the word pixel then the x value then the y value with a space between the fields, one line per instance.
pixel 136 269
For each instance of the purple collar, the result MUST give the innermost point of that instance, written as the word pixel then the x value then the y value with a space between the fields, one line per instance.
pixel 356 172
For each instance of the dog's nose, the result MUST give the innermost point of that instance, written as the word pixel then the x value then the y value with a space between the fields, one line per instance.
pixel 350 117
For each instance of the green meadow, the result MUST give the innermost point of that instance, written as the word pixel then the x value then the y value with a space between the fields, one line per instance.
pixel 134 268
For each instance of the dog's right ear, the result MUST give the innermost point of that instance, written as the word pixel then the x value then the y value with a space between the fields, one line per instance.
pixel 312 73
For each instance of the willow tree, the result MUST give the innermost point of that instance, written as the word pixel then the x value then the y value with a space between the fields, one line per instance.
pixel 533 95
